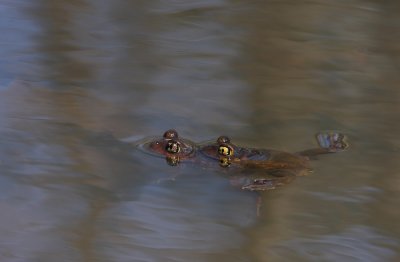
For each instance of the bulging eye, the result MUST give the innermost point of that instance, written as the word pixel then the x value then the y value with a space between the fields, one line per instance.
pixel 223 140
pixel 173 147
pixel 225 150
pixel 170 134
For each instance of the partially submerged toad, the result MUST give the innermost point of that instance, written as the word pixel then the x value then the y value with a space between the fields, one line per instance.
pixel 251 168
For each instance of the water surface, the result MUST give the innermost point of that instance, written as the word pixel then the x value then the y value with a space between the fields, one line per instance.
pixel 79 77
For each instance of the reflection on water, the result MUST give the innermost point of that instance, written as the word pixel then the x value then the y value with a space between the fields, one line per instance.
pixel 76 77
pixel 355 244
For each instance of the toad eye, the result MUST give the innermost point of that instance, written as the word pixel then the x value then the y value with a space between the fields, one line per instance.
pixel 173 147
pixel 170 134
pixel 225 150
pixel 223 140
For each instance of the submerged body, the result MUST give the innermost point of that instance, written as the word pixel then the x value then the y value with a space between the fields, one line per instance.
pixel 251 168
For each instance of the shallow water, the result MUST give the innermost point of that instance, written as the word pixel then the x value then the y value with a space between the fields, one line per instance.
pixel 77 78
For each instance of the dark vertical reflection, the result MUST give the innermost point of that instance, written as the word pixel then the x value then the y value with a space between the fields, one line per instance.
pixel 69 77
pixel 385 109
pixel 59 44
pixel 67 73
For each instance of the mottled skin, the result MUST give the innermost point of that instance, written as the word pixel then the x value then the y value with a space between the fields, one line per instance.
pixel 252 168
pixel 232 155
pixel 266 169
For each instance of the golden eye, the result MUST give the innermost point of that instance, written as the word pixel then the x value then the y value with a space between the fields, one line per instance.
pixel 224 161
pixel 173 147
pixel 225 150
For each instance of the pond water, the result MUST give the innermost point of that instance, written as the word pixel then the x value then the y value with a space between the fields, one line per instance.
pixel 78 79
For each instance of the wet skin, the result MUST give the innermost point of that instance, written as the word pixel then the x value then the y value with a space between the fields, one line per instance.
pixel 251 168
pixel 267 169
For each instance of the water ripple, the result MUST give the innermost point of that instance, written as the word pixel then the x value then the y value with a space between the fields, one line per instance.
pixel 359 243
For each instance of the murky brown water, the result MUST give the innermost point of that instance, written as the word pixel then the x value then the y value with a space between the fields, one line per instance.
pixel 78 76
